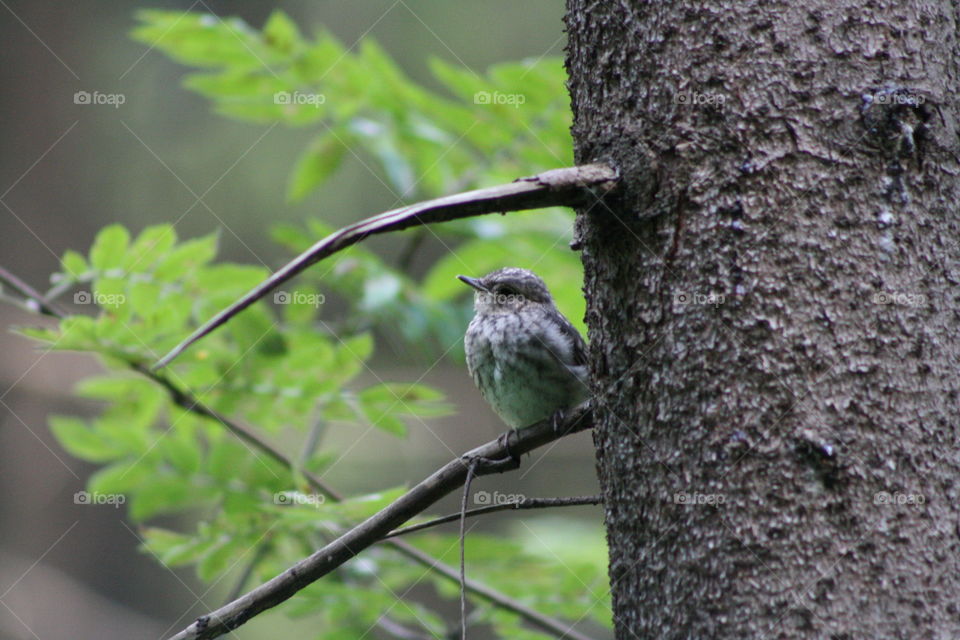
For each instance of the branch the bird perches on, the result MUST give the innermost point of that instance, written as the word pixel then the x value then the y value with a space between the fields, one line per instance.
pixel 493 457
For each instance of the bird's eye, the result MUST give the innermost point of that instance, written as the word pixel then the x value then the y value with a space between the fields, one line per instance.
pixel 505 290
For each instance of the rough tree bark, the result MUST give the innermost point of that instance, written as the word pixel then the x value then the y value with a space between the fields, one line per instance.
pixel 773 315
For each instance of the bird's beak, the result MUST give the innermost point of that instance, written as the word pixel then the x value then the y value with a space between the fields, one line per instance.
pixel 473 282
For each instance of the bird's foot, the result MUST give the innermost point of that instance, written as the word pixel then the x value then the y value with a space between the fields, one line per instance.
pixel 493 465
pixel 497 465
pixel 504 441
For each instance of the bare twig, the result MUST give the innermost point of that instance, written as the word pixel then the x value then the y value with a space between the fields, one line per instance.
pixel 559 187
pixel 33 297
pixel 491 458
pixel 537 619
pixel 192 404
pixel 471 471
pixel 526 503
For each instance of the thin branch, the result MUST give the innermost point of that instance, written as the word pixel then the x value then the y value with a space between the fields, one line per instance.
pixel 548 624
pixel 32 297
pixel 558 187
pixel 189 402
pixel 526 503
pixel 59 289
pixel 178 396
pixel 492 457
pixel 471 470
pixel 192 404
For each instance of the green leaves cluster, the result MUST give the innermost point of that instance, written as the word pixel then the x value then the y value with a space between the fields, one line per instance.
pixel 426 142
pixel 272 367
pixel 357 103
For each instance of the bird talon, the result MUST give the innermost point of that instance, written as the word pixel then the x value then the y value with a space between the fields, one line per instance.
pixel 504 441
pixel 492 464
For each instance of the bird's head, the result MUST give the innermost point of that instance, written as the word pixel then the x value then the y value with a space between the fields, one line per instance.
pixel 508 290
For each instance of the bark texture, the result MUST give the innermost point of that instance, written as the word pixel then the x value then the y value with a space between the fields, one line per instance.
pixel 773 313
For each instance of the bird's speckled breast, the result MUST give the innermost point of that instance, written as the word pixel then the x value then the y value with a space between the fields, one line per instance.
pixel 523 366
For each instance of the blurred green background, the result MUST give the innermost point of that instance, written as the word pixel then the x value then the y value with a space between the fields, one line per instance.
pixel 67 169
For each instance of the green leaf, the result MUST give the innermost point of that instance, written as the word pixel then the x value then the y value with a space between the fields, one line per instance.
pixel 204 40
pixel 401 398
pixel 186 257
pixel 290 236
pixel 81 441
pixel 150 245
pixel 182 454
pixel 146 297
pixel 77 332
pixel 109 247
pixel 235 86
pixel 228 459
pixel 166 494
pixel 385 421
pixel 121 477
pixel 317 163
pixel 461 81
pixel 362 507
pixel 74 265
pixel 109 387
pixel 281 33
pixel 173 548
pixel 320 58
pixel 358 347
pixel 39 333
pixel 217 559
pixel 230 279
pixel 381 141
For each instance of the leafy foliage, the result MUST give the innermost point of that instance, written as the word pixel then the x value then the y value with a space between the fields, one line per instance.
pixel 287 367
pixel 275 371
pixel 480 130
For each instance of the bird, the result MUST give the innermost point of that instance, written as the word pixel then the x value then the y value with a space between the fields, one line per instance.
pixel 527 359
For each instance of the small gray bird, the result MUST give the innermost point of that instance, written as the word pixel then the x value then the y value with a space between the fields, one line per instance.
pixel 527 359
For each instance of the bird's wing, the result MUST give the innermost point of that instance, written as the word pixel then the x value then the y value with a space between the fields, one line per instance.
pixel 578 346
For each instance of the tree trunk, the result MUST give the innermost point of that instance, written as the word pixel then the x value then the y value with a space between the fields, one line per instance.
pixel 772 304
